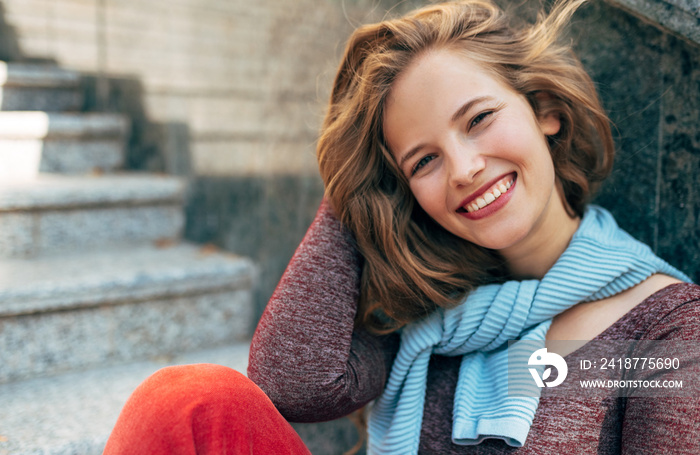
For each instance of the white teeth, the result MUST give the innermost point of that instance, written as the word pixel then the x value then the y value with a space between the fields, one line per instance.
pixel 494 193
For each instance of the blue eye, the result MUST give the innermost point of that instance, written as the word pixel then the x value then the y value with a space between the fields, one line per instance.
pixel 479 118
pixel 422 162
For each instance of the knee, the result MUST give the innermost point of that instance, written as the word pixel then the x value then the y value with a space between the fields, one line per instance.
pixel 192 399
pixel 180 379
pixel 213 404
pixel 199 386
pixel 206 406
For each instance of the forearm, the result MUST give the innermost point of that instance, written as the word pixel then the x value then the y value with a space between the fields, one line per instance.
pixel 305 354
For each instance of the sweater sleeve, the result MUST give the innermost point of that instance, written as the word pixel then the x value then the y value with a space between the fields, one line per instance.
pixel 668 424
pixel 306 355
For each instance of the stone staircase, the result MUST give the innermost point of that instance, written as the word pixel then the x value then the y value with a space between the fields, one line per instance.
pixel 97 290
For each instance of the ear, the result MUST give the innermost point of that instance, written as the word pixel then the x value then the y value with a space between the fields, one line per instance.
pixel 550 123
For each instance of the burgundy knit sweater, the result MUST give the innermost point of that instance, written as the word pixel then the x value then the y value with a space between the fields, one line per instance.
pixel 309 359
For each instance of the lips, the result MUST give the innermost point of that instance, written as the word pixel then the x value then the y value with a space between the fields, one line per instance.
pixel 488 194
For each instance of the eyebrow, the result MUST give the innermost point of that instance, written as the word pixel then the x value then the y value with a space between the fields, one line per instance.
pixel 468 105
pixel 456 116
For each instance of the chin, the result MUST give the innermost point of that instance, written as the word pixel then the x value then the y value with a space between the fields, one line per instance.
pixel 502 241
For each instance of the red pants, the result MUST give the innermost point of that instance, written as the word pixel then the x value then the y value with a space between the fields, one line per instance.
pixel 201 409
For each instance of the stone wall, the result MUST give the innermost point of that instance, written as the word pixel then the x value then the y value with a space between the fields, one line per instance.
pixel 681 17
pixel 649 80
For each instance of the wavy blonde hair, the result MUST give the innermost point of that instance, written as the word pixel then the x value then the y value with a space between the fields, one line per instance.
pixel 412 265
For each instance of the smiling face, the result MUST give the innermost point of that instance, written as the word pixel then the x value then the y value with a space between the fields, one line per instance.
pixel 474 153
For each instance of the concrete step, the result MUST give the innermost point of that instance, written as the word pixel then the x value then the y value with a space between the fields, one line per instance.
pixel 73 414
pixel 33 142
pixel 78 311
pixel 39 87
pixel 54 213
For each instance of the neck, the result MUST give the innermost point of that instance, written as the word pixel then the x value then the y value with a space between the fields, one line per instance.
pixel 533 257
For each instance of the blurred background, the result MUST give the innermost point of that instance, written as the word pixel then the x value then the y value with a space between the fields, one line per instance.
pixel 202 116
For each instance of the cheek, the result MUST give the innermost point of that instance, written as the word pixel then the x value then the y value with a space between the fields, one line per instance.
pixel 430 197
pixel 525 147
pixel 540 160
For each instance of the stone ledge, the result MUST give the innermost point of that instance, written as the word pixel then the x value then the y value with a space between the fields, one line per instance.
pixel 25 159
pixel 678 16
pixel 47 99
pixel 45 344
pixel 25 234
pixel 35 75
pixel 38 125
pixel 112 276
pixel 61 192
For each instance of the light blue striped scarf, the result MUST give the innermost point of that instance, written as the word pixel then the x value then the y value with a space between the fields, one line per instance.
pixel 600 261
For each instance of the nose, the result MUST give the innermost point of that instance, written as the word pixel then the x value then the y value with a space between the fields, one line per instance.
pixel 464 164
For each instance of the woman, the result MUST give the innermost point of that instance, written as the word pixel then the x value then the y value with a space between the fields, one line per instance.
pixel 458 156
